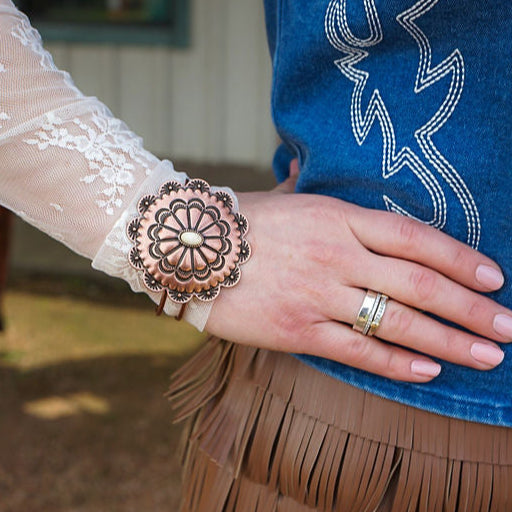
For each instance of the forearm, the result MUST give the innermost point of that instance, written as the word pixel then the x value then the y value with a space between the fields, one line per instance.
pixel 68 166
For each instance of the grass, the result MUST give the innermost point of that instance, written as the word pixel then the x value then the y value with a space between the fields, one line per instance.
pixel 47 330
pixel 84 424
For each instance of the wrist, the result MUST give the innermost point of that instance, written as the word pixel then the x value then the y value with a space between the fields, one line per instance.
pixel 188 243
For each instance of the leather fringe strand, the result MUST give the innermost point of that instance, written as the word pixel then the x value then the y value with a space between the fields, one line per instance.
pixel 269 434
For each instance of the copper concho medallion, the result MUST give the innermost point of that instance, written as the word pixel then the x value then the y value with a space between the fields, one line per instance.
pixel 188 242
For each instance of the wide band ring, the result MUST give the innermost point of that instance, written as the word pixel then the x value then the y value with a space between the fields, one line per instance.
pixel 370 313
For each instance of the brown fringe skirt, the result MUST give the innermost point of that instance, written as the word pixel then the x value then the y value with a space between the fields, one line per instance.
pixel 270 434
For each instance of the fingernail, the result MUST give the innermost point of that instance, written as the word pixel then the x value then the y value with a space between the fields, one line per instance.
pixel 487 354
pixel 503 325
pixel 425 368
pixel 490 277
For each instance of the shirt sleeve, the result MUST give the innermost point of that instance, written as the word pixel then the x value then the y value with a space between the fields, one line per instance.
pixel 69 167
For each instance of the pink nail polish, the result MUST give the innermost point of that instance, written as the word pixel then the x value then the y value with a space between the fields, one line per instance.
pixel 489 277
pixel 487 354
pixel 503 325
pixel 425 368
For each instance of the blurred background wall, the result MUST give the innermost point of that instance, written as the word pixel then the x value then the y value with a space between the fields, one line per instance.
pixel 206 103
pixel 83 363
pixel 205 106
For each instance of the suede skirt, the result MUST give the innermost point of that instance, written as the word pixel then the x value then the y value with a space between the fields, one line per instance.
pixel 266 433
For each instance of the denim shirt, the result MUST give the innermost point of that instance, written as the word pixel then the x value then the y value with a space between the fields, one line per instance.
pixel 405 105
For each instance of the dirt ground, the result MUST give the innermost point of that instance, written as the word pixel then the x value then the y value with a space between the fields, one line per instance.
pixel 84 365
pixel 84 425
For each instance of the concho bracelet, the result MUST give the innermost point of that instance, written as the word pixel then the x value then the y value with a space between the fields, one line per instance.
pixel 188 242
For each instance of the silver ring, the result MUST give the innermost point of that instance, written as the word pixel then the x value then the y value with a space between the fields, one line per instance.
pixel 378 315
pixel 365 311
pixel 370 313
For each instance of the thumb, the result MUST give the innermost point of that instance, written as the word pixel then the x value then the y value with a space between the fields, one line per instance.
pixel 288 185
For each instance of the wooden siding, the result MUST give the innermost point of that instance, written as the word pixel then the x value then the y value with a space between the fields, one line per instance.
pixel 206 103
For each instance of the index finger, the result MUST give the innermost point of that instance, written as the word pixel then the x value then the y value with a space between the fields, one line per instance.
pixel 391 234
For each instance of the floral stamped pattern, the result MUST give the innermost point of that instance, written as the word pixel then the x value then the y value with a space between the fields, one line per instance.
pixel 188 242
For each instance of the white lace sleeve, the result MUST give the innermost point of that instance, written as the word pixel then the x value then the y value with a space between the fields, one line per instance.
pixel 68 166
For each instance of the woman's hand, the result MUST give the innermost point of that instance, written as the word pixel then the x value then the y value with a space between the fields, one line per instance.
pixel 314 257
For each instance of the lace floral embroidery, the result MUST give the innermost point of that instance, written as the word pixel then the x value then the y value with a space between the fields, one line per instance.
pixel 4 116
pixel 118 240
pixel 110 149
pixel 29 37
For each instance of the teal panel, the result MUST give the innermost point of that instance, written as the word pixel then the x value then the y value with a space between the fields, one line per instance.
pixel 174 32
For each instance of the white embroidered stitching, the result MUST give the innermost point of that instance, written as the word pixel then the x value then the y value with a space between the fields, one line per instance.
pixel 341 38
pixel 392 162
pixel 454 65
